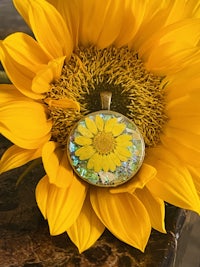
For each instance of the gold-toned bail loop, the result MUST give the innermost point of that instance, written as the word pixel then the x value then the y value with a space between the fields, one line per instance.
pixel 105 100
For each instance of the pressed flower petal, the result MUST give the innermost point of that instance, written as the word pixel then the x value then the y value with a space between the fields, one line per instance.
pixel 115 158
pixel 111 163
pixel 109 124
pixel 145 174
pixel 173 182
pixel 91 125
pixel 124 215
pixel 84 131
pixel 8 92
pixel 105 163
pixel 25 50
pixel 25 123
pixel 99 123
pixel 123 139
pixel 86 229
pixel 56 165
pixel 97 158
pixel 85 152
pixel 15 157
pixel 123 151
pixel 155 208
pixel 82 140
pixel 41 82
pixel 118 129
pixel 61 206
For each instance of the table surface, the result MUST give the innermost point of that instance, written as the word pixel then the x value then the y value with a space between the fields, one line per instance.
pixel 24 236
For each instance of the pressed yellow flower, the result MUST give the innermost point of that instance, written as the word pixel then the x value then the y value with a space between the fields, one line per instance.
pixel 104 145
pixel 105 148
pixel 146 53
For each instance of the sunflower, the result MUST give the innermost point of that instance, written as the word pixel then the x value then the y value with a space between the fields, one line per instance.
pixel 146 53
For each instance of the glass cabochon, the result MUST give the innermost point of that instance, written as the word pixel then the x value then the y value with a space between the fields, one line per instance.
pixel 105 148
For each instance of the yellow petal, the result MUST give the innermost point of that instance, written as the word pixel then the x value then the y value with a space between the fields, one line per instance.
pixel 115 159
pixel 56 165
pixel 43 78
pixel 118 129
pixel 61 206
pixel 123 151
pixel 172 45
pixel 26 51
pixel 20 75
pixel 84 131
pixel 86 229
pixel 22 8
pixel 105 163
pixel 25 123
pixel 91 125
pixel 195 172
pixel 185 138
pixel 132 18
pixel 177 85
pixel 85 152
pixel 124 215
pixel 41 192
pixel 111 24
pixel 98 164
pixel 185 106
pixel 187 155
pixel 82 140
pixel 15 157
pixel 190 124
pixel 150 19
pixel 94 22
pixel 64 103
pixel 56 41
pixel 145 174
pixel 155 208
pixel 164 61
pixel 70 11
pixel 173 182
pixel 109 124
pixel 99 123
pixel 124 140
pixel 111 163
pixel 8 92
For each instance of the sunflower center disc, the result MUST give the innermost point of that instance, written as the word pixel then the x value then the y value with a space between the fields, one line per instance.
pixel 105 148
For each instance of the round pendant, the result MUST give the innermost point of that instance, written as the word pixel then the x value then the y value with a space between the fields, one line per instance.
pixel 105 148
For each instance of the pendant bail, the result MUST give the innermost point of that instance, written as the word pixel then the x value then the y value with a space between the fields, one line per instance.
pixel 105 100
